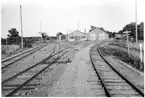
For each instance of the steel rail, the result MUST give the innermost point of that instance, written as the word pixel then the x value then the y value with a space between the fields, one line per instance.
pixel 51 55
pixel 21 53
pixel 31 52
pixel 27 81
pixel 101 80
pixel 122 76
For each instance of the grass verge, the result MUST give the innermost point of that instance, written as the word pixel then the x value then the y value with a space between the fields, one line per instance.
pixel 123 56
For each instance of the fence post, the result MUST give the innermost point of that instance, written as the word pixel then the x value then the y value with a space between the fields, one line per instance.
pixel 127 44
pixel 141 56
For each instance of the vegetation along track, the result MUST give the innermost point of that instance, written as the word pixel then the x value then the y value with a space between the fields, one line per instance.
pixel 113 82
pixel 7 62
pixel 21 81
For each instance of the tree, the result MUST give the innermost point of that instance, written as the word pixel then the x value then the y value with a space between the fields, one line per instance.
pixel 92 28
pixel 3 41
pixel 58 34
pixel 120 32
pixel 101 28
pixel 13 36
pixel 111 34
pixel 44 36
pixel 130 27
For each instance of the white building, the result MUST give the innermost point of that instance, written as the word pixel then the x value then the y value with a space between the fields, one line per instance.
pixel 97 34
pixel 77 36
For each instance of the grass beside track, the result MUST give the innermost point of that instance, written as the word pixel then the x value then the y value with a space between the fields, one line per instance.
pixel 123 44
pixel 123 56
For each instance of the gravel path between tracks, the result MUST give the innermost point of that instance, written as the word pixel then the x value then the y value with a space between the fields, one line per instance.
pixel 75 79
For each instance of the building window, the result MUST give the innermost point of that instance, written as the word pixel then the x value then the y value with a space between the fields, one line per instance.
pixel 77 37
pixel 71 37
pixel 83 37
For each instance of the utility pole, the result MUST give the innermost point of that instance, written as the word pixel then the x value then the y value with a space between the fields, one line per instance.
pixel 21 27
pixel 85 30
pixel 141 56
pixel 127 43
pixel 136 21
pixel 67 34
pixel 127 33
pixel 78 25
pixel 41 25
pixel 41 30
pixel 7 42
pixel 67 30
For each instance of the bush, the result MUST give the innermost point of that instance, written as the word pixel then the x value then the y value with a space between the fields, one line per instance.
pixel 27 45
pixel 123 56
pixel 4 51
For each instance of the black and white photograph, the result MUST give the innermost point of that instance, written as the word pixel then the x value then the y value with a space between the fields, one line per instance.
pixel 72 48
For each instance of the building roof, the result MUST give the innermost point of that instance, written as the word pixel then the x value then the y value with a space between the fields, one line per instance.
pixel 78 32
pixel 96 30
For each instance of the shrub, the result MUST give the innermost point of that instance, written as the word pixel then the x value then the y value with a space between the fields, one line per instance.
pixel 4 51
pixel 133 61
pixel 27 45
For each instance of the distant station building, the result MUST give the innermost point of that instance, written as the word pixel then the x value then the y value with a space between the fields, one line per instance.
pixel 77 36
pixel 97 34
pixel 61 36
pixel 119 36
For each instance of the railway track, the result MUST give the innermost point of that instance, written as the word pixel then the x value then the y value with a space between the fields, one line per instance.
pixel 7 62
pixel 24 80
pixel 113 82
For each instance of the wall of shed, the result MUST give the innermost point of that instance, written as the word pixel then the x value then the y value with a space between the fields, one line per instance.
pixel 97 36
pixel 77 36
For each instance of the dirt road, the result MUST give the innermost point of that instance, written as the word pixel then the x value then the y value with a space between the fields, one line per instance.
pixel 78 80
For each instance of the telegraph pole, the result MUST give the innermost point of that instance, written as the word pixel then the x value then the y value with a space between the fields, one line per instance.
pixel 41 25
pixel 21 27
pixel 41 29
pixel 136 21
pixel 7 42
pixel 67 34
pixel 78 25
pixel 85 30
pixel 67 30
pixel 127 43
pixel 127 33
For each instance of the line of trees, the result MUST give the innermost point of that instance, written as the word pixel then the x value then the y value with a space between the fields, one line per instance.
pixel 15 39
pixel 13 36
pixel 44 36
pixel 131 27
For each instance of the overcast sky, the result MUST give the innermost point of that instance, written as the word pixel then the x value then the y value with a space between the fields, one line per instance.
pixel 58 15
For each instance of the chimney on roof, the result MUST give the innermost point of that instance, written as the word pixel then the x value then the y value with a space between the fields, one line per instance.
pixel 78 25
